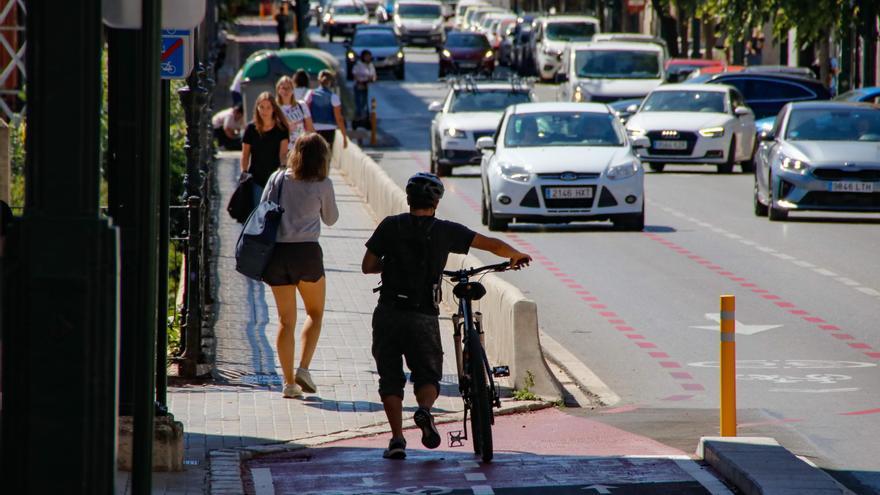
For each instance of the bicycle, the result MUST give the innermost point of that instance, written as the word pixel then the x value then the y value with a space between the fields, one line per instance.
pixel 475 376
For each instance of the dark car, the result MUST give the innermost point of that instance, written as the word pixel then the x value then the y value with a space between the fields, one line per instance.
pixel 766 94
pixel 867 95
pixel 383 44
pixel 466 52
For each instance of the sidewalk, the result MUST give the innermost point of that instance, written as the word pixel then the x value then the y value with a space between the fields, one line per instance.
pixel 244 407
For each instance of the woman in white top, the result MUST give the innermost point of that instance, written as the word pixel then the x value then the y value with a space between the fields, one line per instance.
pixel 299 120
pixel 297 262
pixel 364 74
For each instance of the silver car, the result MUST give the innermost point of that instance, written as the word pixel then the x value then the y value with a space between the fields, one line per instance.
pixel 819 156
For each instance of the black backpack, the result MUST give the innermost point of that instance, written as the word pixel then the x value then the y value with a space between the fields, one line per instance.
pixel 407 275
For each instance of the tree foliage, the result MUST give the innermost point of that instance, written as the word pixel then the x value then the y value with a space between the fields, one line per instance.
pixel 814 19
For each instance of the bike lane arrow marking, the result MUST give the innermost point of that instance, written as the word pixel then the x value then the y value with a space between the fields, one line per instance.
pixel 741 328
pixel 599 488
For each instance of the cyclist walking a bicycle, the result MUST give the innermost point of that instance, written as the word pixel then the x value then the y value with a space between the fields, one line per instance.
pixel 410 251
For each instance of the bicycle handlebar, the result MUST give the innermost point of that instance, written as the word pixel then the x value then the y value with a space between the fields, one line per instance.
pixel 470 272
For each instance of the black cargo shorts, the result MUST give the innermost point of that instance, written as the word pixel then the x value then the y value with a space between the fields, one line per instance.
pixel 402 334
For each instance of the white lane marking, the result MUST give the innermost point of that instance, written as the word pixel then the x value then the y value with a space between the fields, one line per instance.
pixel 868 290
pixel 263 481
pixel 824 271
pixel 468 464
pixel 740 327
pixel 483 490
pixel 765 249
pixel 369 482
pixel 475 476
pixel 784 256
pixel 848 281
pixel 803 264
pixel 748 242
pixel 814 391
pixel 712 484
pixel 733 236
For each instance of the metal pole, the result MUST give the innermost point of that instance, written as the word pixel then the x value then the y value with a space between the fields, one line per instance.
pixel 728 366
pixel 62 279
pixel 164 235
pixel 373 122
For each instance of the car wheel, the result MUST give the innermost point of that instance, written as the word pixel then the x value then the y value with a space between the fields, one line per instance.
pixel 775 214
pixel 760 208
pixel 400 72
pixel 349 76
pixel 484 210
pixel 747 166
pixel 657 167
pixel 726 168
pixel 330 37
pixel 634 222
pixel 496 224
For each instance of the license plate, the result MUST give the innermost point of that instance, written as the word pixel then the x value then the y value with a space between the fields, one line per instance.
pixel 852 187
pixel 568 193
pixel 670 145
pixel 420 40
pixel 467 65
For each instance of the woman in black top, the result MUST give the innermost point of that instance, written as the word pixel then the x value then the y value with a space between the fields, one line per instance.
pixel 264 144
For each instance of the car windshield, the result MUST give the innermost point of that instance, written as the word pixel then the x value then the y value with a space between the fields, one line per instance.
pixel 349 10
pixel 857 124
pixel 562 129
pixel 486 101
pixel 374 39
pixel 570 31
pixel 685 101
pixel 420 11
pixel 617 64
pixel 467 41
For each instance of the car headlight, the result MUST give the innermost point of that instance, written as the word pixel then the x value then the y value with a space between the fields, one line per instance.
pixel 489 54
pixel 793 165
pixel 454 133
pixel 635 132
pixel 446 53
pixel 515 172
pixel 712 132
pixel 351 56
pixel 400 54
pixel 623 170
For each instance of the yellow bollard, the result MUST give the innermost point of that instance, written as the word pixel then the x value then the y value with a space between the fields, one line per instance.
pixel 373 123
pixel 728 366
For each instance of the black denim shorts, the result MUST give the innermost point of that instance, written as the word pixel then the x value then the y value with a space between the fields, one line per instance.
pixel 402 334
pixel 293 262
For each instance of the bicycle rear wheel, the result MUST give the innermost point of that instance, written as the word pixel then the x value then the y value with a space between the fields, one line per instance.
pixel 481 407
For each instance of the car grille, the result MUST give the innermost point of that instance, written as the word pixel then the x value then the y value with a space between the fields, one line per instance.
pixel 844 200
pixel 567 203
pixel 690 137
pixel 574 176
pixel 868 175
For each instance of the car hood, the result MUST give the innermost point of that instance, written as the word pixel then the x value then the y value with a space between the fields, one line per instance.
pixel 472 121
pixel 558 159
pixel 348 19
pixel 377 51
pixel 419 23
pixel 460 52
pixel 629 88
pixel 834 152
pixel 679 121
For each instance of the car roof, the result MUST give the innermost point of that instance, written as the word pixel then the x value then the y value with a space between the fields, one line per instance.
pixel 638 37
pixel 719 88
pixel 338 3
pixel 617 45
pixel 765 75
pixel 464 33
pixel 701 62
pixel 557 106
pixel 831 105
pixel 419 2
pixel 568 18
pixel 492 86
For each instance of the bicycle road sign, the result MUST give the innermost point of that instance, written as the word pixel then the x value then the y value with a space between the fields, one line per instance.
pixel 175 61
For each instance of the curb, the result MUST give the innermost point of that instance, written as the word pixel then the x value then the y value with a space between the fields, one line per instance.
pixel 224 466
pixel 587 381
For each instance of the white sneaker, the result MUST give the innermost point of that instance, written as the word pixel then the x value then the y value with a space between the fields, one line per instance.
pixel 304 379
pixel 292 391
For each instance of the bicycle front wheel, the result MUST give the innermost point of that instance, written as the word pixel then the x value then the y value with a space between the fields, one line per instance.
pixel 481 407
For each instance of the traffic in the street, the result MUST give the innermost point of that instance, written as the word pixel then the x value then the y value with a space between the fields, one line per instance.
pixel 637 228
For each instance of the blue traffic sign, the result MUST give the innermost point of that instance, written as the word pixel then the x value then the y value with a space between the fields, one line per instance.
pixel 173 61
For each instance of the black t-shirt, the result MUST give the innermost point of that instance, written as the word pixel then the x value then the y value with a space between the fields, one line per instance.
pixel 265 151
pixel 445 237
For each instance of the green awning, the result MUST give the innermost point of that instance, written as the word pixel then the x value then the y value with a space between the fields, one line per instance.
pixel 272 64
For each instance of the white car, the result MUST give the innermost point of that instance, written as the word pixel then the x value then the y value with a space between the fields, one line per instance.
pixel 470 111
pixel 695 123
pixel 561 162
pixel 419 22
pixel 551 34
pixel 608 71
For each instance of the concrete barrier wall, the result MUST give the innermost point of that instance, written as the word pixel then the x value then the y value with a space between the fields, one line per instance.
pixel 510 320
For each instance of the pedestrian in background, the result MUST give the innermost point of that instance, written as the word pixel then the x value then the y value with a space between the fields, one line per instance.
pixel 281 23
pixel 300 84
pixel 364 74
pixel 299 119
pixel 227 124
pixel 326 109
pixel 297 263
pixel 264 144
pixel 410 251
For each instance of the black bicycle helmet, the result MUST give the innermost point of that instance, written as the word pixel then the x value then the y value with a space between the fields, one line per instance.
pixel 424 185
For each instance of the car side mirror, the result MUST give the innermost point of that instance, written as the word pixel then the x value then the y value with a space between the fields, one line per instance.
pixel 765 136
pixel 632 108
pixel 641 142
pixel 741 111
pixel 435 106
pixel 486 143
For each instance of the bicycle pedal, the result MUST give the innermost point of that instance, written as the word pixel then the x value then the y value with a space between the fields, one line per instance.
pixel 500 371
pixel 456 438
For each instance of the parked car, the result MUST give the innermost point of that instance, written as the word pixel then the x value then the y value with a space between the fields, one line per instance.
pixel 419 22
pixel 383 44
pixel 608 71
pixel 466 52
pixel 342 17
pixel 558 163
pixel 766 94
pixel 695 123
pixel 869 95
pixel 678 69
pixel 550 36
pixel 471 110
pixel 819 156
pixel 780 69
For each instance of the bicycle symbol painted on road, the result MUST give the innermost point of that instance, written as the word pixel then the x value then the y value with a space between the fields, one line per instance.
pixel 820 378
pixel 798 364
